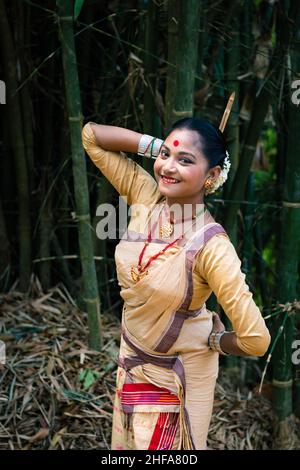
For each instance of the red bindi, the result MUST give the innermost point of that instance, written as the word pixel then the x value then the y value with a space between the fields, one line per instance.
pixel 175 143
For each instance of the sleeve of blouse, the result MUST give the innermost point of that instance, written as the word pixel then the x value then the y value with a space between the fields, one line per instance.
pixel 127 177
pixel 220 267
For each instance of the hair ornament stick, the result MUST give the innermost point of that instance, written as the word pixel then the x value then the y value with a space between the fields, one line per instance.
pixel 227 112
pixel 211 188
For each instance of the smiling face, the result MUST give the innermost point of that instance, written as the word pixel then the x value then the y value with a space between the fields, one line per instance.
pixel 181 168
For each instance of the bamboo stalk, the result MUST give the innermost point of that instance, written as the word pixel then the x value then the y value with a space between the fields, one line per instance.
pixel 150 63
pixel 4 242
pixel 183 31
pixel 23 13
pixel 46 228
pixel 232 68
pixel 259 112
pixel 289 253
pixel 15 126
pixel 91 295
pixel 232 135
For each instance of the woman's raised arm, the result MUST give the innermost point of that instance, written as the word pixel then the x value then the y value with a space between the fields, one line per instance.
pixel 104 145
pixel 115 138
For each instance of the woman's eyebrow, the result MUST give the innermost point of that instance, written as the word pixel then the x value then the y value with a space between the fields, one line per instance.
pixel 180 153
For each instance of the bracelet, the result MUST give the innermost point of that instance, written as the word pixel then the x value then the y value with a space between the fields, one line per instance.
pixel 214 342
pixel 149 146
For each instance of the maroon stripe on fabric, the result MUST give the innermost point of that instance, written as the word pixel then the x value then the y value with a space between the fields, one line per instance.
pixel 127 408
pixel 161 361
pixel 147 400
pixel 170 432
pixel 145 387
pixel 191 252
pixel 173 331
pixel 151 397
pixel 158 431
pixel 170 362
pixel 208 234
pixel 164 432
pixel 133 361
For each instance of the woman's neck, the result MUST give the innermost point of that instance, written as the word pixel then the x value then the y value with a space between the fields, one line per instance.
pixel 188 206
pixel 184 201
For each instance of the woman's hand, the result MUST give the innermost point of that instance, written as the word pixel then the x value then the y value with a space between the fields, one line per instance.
pixel 218 326
pixel 228 341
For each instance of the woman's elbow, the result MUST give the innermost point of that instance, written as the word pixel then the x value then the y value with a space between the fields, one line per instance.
pixel 263 345
pixel 255 345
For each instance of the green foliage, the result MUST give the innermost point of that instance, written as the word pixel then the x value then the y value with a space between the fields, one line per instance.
pixel 269 138
pixel 77 8
pixel 88 377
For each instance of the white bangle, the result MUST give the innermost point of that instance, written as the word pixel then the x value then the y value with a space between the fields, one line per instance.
pixel 149 146
pixel 214 342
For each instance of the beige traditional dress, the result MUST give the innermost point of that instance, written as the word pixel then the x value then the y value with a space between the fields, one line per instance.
pixel 167 373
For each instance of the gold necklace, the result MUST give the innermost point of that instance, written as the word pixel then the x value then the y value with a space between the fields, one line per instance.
pixel 167 228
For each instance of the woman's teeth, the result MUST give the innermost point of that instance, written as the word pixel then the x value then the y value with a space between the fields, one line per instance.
pixel 169 180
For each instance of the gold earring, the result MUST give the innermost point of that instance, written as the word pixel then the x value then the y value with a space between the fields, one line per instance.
pixel 208 184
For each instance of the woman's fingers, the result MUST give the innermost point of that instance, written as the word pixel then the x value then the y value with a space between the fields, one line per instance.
pixel 217 324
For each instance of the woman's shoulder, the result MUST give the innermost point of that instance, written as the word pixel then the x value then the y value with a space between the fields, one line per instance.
pixel 217 253
pixel 214 231
pixel 217 235
pixel 216 244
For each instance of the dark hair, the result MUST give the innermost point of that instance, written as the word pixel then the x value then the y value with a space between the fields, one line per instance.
pixel 213 143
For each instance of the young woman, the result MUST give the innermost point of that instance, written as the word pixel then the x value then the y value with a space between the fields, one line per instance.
pixel 168 263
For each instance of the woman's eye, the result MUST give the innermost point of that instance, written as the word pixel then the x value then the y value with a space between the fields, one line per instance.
pixel 164 153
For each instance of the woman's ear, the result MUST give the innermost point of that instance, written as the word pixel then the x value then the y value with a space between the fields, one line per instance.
pixel 214 172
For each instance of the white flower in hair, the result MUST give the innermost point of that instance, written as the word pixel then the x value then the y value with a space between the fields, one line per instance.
pixel 222 176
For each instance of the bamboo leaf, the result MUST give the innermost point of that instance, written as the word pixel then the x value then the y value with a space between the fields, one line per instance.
pixel 88 376
pixel 77 8
pixel 57 437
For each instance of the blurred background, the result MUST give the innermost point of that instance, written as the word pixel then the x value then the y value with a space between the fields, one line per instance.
pixel 142 64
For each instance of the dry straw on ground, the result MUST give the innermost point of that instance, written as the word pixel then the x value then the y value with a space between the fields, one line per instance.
pixel 55 393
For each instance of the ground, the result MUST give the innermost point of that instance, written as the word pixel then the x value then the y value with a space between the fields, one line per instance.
pixel 55 393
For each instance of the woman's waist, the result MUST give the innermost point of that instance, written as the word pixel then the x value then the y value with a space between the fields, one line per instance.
pixel 169 343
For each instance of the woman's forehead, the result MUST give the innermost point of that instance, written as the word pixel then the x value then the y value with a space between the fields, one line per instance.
pixel 183 138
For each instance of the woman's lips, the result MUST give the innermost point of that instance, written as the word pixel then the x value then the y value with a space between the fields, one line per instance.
pixel 167 180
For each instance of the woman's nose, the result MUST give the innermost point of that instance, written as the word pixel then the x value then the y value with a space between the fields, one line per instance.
pixel 169 165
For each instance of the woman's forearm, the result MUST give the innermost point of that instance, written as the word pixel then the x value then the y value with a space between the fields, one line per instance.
pixel 228 344
pixel 116 139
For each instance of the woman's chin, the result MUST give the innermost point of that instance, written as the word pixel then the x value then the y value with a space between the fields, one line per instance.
pixel 168 192
pixel 169 189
